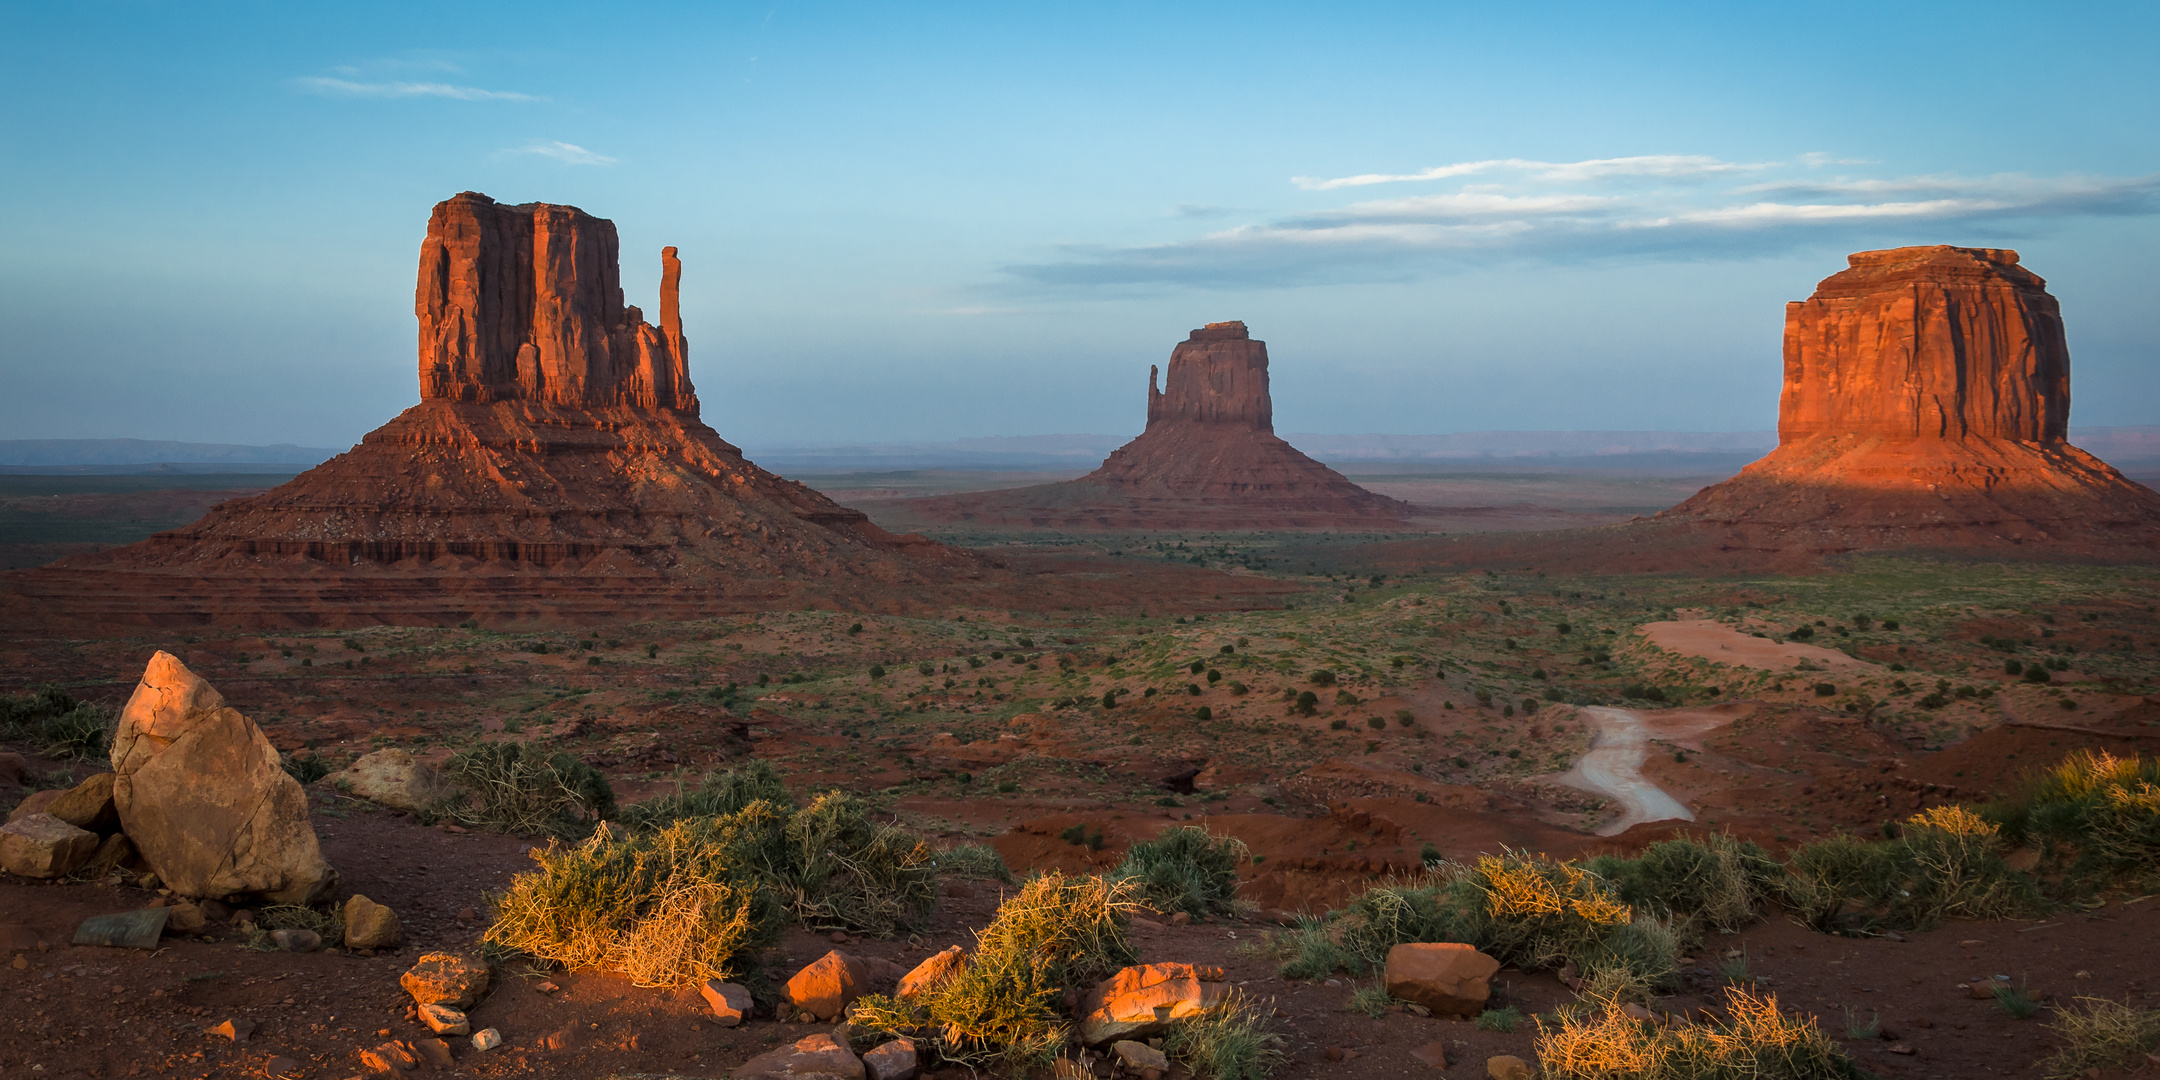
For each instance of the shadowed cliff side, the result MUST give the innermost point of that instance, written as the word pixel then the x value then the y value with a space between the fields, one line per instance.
pixel 1209 459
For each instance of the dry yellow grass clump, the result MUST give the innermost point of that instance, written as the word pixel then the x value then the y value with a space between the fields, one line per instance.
pixel 1754 1040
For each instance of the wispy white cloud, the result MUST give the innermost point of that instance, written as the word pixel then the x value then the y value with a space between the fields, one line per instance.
pixel 1673 206
pixel 1667 166
pixel 567 153
pixel 321 84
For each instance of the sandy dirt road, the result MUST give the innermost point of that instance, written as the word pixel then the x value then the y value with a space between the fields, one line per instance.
pixel 1613 766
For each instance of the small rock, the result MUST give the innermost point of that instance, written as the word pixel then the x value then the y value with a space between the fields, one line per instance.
pixel 293 939
pixel 1141 1001
pixel 446 979
pixel 43 846
pixel 1981 991
pixel 435 1052
pixel 1970 943
pixel 187 918
pixel 234 1030
pixel 1180 919
pixel 815 1057
pixel 730 1003
pixel 936 969
pixel 369 925
pixel 391 1057
pixel 1433 1054
pixel 1146 924
pixel 1633 1011
pixel 569 1037
pixel 486 1039
pixel 1449 978
pixel 547 987
pixel 1509 1067
pixel 138 929
pixel 839 937
pixel 444 1020
pixel 1899 1048
pixel 466 915
pixel 1139 1055
pixel 895 1060
pixel 826 987
pixel 281 1066
pixel 1334 1053
pixel 12 767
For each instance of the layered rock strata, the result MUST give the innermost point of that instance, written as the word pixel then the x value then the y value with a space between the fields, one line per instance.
pixel 1925 403
pixel 1208 459
pixel 554 470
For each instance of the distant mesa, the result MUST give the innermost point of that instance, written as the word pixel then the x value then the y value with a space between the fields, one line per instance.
pixel 1925 404
pixel 1209 459
pixel 554 470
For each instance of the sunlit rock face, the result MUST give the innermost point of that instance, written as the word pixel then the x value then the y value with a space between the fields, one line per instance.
pixel 1925 402
pixel 525 303
pixel 1927 343
pixel 1208 459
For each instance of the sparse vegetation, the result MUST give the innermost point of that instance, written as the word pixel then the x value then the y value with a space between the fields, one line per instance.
pixel 1186 869
pixel 1754 1039
pixel 2100 1034
pixel 1004 1008
pixel 516 787
pixel 1233 1039
pixel 57 724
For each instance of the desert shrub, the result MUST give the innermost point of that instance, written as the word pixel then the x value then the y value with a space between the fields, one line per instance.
pixel 1373 1001
pixel 1716 880
pixel 843 871
pixel 1832 883
pixel 2094 815
pixel 718 795
pixel 1233 1039
pixel 1502 1020
pixel 1056 933
pixel 58 725
pixel 1538 912
pixel 1309 951
pixel 2098 1034
pixel 1186 869
pixel 669 907
pixel 517 788
pixel 1391 914
pixel 980 861
pixel 1947 863
pixel 307 769
pixel 1954 868
pixel 1752 1040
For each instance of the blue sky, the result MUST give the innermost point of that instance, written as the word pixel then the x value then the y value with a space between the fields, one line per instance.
pixel 921 222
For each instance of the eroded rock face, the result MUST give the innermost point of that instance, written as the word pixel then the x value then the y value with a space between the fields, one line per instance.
pixel 525 303
pixel 1925 403
pixel 1927 343
pixel 205 799
pixel 1208 459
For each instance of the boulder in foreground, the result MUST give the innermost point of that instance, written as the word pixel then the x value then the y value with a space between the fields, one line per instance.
pixel 1141 1001
pixel 818 1057
pixel 206 799
pixel 1450 978
pixel 43 846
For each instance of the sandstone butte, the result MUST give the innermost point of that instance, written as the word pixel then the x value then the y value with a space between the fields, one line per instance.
pixel 1925 403
pixel 555 469
pixel 1208 459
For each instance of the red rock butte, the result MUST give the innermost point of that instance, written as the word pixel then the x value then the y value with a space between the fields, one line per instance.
pixel 1926 399
pixel 1209 459
pixel 554 470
